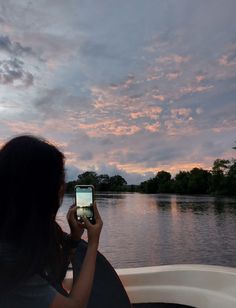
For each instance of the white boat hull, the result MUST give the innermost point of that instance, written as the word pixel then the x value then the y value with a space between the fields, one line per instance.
pixel 200 286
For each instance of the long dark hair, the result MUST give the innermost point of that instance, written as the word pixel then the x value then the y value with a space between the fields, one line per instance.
pixel 31 177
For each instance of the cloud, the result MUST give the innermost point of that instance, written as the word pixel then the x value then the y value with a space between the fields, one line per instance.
pixel 200 77
pixel 86 155
pixel 149 112
pixel 174 58
pixel 229 58
pixel 72 172
pixel 13 72
pixel 130 177
pixel 173 75
pixel 14 48
pixel 191 89
pixel 158 97
pixel 135 93
pixel 180 112
pixel 113 127
pixel 199 110
pixel 153 128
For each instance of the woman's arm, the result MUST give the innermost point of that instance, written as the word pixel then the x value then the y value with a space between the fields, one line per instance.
pixel 81 289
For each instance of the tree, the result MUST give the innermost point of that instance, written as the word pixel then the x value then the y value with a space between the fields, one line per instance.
pixel 70 186
pixel 220 166
pixel 199 181
pixel 117 183
pixel 88 178
pixel 103 182
pixel 218 183
pixel 181 182
pixel 161 183
pixel 231 179
pixel 150 186
pixel 164 184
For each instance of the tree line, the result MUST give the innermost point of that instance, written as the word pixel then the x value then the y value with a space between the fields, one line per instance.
pixel 102 182
pixel 220 180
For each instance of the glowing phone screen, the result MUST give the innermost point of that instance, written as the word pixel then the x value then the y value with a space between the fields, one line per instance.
pixel 84 201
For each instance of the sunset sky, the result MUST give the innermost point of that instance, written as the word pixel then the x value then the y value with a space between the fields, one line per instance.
pixel 129 86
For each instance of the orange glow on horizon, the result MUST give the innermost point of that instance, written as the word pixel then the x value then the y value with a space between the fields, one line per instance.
pixel 173 169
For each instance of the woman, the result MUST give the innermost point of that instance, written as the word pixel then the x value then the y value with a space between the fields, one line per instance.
pixel 33 248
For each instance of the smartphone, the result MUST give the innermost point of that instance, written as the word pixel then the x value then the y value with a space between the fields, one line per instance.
pixel 84 199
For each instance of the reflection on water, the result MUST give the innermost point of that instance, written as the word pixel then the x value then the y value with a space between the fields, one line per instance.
pixel 146 230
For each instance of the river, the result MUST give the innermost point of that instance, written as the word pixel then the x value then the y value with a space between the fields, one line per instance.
pixel 157 229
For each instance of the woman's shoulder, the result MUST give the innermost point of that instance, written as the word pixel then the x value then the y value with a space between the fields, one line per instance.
pixel 35 292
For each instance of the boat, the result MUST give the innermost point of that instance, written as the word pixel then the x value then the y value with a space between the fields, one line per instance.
pixel 199 286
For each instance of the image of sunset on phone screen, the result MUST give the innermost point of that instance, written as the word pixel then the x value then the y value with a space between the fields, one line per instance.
pixel 84 202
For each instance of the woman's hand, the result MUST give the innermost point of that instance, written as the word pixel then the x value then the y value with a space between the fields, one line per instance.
pixel 76 227
pixel 94 230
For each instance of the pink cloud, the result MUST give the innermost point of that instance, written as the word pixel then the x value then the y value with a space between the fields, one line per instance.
pixel 153 128
pixel 21 127
pixel 71 157
pixel 153 77
pixel 173 167
pixel 109 127
pixel 200 77
pixel 195 89
pixel 173 58
pixel 229 58
pixel 173 75
pixel 181 112
pixel 151 112
pixel 158 97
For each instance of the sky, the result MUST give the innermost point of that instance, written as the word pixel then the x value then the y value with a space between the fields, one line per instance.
pixel 121 87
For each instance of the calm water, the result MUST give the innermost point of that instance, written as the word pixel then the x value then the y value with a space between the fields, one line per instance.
pixel 146 230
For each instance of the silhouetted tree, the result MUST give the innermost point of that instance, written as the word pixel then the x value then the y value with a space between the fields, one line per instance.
pixel 103 182
pixel 88 178
pixel 199 181
pixel 164 184
pixel 70 186
pixel 117 183
pixel 150 186
pixel 218 184
pixel 181 182
pixel 231 179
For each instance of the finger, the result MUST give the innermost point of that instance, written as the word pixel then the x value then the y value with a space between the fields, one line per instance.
pixel 87 224
pixel 71 207
pixel 80 225
pixel 96 213
pixel 71 215
pixel 68 215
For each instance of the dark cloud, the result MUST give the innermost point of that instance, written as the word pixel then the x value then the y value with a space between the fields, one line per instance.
pixel 72 172
pixel 96 49
pixel 232 57
pixel 86 156
pixel 5 43
pixel 229 59
pixel 12 71
pixel 56 101
pixel 106 141
pixel 14 48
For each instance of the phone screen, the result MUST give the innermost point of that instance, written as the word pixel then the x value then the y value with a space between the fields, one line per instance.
pixel 84 202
